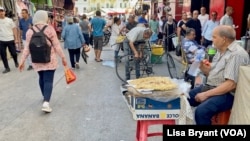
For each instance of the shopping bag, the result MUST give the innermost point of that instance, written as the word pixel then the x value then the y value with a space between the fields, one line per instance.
pixel 69 75
pixel 84 53
pixel 120 38
pixel 154 37
pixel 84 56
pixel 175 41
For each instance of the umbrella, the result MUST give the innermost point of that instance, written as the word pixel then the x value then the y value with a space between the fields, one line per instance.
pixel 84 56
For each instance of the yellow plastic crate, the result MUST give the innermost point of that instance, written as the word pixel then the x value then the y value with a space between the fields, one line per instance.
pixel 157 49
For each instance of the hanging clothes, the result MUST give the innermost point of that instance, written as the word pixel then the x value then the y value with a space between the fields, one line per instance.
pixel 58 3
pixel 10 8
pixel 19 6
pixel 32 9
pixel 49 2
pixel 1 3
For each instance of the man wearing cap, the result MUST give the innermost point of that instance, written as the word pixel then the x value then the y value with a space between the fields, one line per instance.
pixel 8 38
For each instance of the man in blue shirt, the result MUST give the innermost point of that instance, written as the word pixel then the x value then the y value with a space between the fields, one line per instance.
pixel 97 26
pixel 208 29
pixel 142 18
pixel 24 24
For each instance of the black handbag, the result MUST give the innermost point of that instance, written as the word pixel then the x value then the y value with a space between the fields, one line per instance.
pixel 178 50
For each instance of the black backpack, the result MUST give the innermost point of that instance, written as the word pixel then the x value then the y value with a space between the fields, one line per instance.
pixel 39 49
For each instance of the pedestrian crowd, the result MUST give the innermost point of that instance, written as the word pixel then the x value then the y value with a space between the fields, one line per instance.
pixel 198 32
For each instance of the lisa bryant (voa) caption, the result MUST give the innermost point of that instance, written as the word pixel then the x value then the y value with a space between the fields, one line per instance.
pixel 241 132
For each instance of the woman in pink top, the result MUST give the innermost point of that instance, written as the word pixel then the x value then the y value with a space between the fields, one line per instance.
pixel 45 70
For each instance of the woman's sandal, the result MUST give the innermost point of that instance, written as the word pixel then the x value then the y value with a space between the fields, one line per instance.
pixel 98 60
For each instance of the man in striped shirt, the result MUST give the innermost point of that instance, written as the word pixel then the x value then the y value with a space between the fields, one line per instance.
pixel 222 76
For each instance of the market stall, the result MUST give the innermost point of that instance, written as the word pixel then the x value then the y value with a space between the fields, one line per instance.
pixel 157 100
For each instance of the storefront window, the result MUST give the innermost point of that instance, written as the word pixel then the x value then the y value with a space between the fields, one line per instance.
pixel 180 2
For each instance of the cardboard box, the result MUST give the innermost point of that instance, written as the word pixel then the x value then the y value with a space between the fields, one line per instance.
pixel 143 108
pixel 150 109
pixel 143 103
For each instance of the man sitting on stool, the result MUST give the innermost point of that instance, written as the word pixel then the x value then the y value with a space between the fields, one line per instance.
pixel 222 76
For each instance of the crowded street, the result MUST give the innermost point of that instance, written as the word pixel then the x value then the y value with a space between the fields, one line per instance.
pixel 124 70
pixel 90 109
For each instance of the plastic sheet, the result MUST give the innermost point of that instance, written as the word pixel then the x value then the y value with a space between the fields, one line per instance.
pixel 109 63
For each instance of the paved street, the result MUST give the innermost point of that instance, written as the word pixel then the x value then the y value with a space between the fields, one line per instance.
pixel 90 109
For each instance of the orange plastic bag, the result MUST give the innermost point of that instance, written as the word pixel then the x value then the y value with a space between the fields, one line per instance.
pixel 69 75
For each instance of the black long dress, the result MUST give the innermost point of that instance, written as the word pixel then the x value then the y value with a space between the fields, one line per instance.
pixel 169 29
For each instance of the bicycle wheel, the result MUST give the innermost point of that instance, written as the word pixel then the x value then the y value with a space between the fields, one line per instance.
pixel 171 66
pixel 105 40
pixel 120 68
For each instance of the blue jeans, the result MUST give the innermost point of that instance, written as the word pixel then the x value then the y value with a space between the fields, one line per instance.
pixel 46 83
pixel 86 38
pixel 210 107
pixel 127 51
pixel 74 56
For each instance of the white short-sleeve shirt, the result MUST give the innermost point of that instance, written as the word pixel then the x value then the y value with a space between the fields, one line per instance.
pixel 6 29
pixel 203 19
pixel 136 34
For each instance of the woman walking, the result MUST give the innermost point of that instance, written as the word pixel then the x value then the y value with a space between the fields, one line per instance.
pixel 73 41
pixel 168 30
pixel 45 70
pixel 116 29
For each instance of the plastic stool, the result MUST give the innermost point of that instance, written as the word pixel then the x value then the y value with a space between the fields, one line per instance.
pixel 221 118
pixel 142 128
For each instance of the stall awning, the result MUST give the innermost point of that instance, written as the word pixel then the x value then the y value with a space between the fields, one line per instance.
pixel 113 10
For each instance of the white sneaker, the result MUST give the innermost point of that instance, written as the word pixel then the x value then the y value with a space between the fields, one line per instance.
pixel 77 66
pixel 46 108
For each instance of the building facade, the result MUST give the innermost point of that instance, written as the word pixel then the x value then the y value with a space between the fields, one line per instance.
pixel 86 6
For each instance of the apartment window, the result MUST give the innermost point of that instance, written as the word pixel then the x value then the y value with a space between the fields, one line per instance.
pixel 111 6
pixel 180 2
pixel 120 5
pixel 107 5
pixel 85 0
pixel 125 5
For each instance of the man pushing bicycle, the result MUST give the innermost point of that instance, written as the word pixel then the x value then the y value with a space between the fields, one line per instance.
pixel 135 38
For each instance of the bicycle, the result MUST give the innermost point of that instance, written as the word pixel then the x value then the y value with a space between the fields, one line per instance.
pixel 106 37
pixel 144 64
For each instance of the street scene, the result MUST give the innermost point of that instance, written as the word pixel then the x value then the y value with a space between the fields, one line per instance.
pixel 122 70
pixel 90 109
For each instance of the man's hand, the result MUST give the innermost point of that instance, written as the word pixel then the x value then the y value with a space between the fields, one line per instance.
pixel 200 97
pixel 21 67
pixel 205 66
pixel 136 54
